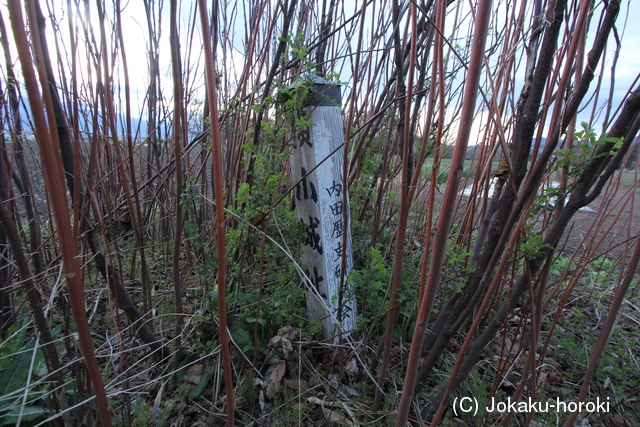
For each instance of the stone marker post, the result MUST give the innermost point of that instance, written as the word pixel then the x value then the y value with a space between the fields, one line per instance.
pixel 321 204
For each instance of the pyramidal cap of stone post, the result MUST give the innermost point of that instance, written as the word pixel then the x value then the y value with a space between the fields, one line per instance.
pixel 321 203
pixel 324 93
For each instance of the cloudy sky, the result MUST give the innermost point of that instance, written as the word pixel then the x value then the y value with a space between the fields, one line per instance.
pixel 136 40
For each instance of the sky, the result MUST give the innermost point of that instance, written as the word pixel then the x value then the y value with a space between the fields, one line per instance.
pixel 136 44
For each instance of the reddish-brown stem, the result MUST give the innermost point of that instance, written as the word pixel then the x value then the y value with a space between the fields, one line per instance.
pixel 220 232
pixel 53 172
pixel 178 138
pixel 448 205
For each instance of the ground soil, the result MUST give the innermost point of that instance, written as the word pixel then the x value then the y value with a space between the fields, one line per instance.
pixel 608 225
pixel 616 222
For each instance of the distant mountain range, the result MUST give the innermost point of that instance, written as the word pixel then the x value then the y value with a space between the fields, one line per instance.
pixel 139 129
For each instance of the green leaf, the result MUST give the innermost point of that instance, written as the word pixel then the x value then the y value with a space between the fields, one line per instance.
pixel 29 413
pixel 14 376
pixel 248 298
pixel 241 338
pixel 204 380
